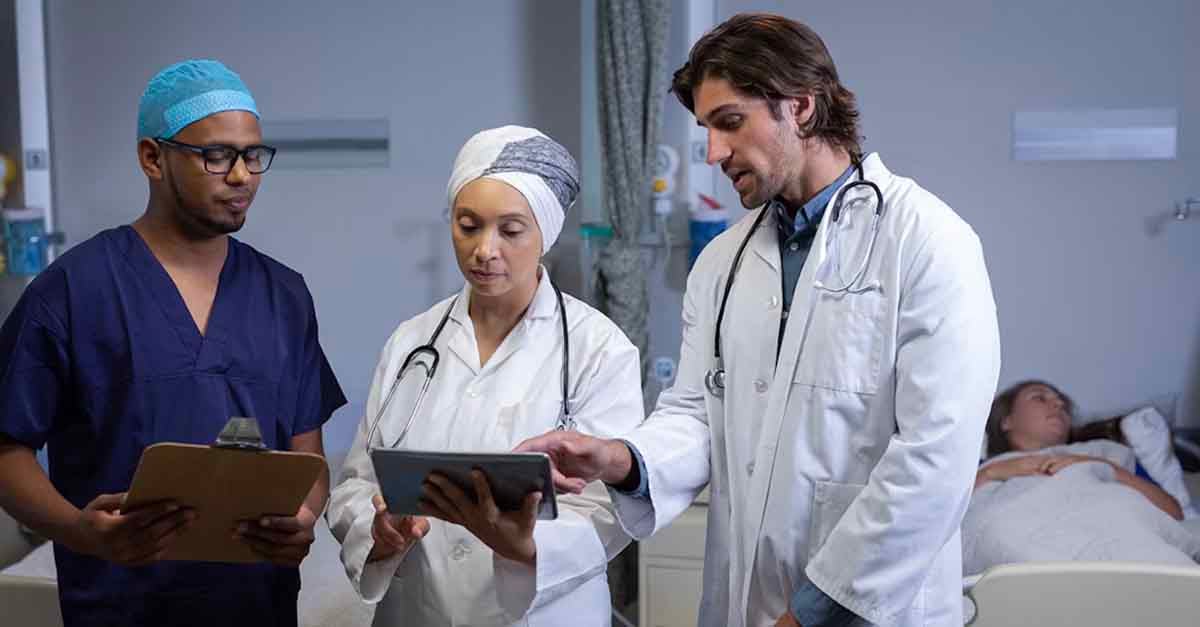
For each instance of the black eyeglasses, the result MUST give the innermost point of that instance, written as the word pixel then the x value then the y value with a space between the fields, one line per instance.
pixel 219 159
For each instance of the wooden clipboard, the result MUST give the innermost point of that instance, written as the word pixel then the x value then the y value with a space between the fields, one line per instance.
pixel 224 486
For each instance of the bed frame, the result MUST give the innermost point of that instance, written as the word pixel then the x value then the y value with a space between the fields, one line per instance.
pixel 1097 594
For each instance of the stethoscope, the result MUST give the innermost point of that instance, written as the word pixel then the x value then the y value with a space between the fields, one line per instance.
pixel 429 366
pixel 714 379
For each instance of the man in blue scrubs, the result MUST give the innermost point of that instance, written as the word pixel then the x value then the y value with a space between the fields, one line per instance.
pixel 162 331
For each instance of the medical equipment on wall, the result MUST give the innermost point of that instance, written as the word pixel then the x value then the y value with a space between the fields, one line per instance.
pixel 594 237
pixel 8 174
pixel 1184 210
pixel 426 357
pixel 714 379
pixel 708 220
pixel 26 241
pixel 666 166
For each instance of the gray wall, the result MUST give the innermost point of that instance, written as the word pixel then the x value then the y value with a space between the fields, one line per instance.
pixel 1087 298
pixel 372 244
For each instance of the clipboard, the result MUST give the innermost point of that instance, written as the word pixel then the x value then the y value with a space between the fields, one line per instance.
pixel 511 476
pixel 235 479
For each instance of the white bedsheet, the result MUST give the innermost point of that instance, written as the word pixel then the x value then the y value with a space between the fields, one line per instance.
pixel 1081 513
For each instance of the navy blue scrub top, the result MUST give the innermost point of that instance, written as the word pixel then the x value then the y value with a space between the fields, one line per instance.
pixel 101 358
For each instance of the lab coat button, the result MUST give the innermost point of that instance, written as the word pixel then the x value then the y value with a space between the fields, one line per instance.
pixel 750 469
pixel 459 552
pixel 472 392
pixel 772 302
pixel 760 386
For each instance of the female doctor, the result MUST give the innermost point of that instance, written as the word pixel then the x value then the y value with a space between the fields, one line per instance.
pixel 499 381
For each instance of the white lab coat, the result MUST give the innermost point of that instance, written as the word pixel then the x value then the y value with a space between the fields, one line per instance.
pixel 450 577
pixel 850 461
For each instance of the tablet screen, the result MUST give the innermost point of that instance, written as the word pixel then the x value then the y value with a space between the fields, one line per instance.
pixel 511 477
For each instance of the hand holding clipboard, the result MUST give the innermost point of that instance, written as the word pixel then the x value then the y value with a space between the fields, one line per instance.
pixel 235 480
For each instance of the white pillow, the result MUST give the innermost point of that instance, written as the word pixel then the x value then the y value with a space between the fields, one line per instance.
pixel 1149 436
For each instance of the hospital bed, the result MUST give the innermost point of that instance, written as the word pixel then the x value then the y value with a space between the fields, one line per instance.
pixel 30 601
pixel 1097 594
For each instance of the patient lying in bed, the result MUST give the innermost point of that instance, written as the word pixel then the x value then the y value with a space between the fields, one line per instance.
pixel 1040 497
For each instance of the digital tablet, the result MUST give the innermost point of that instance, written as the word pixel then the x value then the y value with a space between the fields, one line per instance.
pixel 511 477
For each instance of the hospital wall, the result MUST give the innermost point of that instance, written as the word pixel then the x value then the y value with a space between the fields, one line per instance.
pixel 372 244
pixel 1087 297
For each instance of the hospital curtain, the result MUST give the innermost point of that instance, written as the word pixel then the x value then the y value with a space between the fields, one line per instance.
pixel 632 42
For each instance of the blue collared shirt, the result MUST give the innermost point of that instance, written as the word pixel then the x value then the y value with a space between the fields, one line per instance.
pixel 796 234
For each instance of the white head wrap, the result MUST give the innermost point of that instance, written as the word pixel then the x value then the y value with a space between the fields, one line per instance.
pixel 532 163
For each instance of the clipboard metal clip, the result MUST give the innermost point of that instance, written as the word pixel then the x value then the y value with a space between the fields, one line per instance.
pixel 242 434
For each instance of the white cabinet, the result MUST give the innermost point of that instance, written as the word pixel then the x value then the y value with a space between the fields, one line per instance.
pixel 673 596
pixel 670 565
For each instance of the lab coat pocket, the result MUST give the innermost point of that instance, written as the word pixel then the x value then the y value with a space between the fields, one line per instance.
pixel 829 503
pixel 845 342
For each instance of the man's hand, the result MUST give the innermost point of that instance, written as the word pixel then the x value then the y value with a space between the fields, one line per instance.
pixel 283 540
pixel 787 620
pixel 509 534
pixel 134 538
pixel 393 533
pixel 577 459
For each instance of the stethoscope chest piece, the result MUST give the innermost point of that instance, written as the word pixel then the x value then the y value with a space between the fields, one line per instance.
pixel 714 379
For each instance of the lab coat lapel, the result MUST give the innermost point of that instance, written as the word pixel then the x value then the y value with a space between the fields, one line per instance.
pixel 460 333
pixel 765 241
pixel 794 341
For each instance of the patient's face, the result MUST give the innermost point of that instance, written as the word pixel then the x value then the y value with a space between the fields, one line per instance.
pixel 1039 419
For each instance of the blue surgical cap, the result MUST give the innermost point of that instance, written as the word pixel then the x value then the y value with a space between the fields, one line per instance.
pixel 189 91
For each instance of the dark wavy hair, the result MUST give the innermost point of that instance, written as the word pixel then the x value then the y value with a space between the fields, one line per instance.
pixel 772 57
pixel 1002 406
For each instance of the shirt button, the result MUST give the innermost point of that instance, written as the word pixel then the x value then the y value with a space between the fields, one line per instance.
pixel 794 246
pixel 760 386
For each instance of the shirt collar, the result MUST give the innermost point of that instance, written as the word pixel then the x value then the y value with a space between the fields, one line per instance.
pixel 809 215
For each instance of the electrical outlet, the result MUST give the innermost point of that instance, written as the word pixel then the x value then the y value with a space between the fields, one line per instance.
pixel 663 370
pixel 37 159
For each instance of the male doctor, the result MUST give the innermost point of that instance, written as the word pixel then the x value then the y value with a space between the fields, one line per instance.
pixel 859 350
